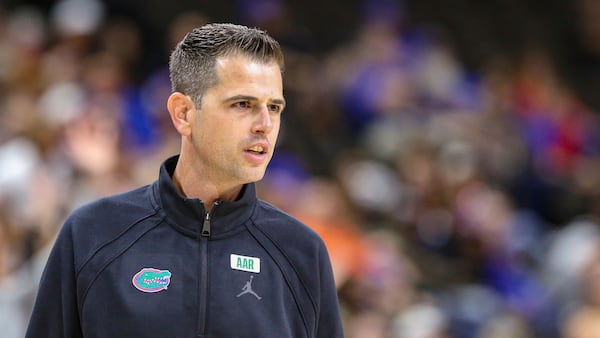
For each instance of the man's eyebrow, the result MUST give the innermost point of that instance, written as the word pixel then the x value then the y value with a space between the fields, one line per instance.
pixel 252 98
pixel 240 98
pixel 279 101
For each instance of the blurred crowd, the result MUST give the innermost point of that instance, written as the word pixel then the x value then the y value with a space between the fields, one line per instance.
pixel 455 203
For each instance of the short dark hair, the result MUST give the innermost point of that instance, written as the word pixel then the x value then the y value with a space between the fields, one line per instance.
pixel 192 62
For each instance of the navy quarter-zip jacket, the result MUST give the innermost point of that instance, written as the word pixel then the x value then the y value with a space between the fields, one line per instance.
pixel 152 263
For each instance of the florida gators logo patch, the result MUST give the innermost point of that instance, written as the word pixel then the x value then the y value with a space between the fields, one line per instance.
pixel 151 280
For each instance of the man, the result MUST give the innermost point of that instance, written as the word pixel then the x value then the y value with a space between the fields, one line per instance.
pixel 169 259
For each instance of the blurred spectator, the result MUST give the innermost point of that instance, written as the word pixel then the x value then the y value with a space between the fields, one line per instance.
pixel 584 320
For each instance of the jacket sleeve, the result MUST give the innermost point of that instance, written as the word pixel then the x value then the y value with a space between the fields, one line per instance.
pixel 55 312
pixel 329 323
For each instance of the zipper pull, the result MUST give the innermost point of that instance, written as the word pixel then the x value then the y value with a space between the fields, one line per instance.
pixel 207 218
pixel 206 226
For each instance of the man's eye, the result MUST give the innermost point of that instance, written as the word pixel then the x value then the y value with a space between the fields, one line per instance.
pixel 242 104
pixel 275 108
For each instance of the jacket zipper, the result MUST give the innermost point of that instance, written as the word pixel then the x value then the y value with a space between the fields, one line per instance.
pixel 203 301
pixel 206 225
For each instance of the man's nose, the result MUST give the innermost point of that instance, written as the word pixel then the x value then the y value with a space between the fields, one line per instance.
pixel 263 123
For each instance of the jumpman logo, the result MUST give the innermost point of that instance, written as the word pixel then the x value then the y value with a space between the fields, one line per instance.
pixel 248 289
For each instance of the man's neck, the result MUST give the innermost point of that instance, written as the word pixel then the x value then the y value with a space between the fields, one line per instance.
pixel 191 185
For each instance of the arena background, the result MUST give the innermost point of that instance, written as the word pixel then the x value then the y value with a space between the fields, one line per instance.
pixel 478 29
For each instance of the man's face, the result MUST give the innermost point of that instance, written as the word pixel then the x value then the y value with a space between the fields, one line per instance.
pixel 235 130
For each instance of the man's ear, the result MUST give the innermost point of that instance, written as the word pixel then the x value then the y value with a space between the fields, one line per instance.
pixel 180 108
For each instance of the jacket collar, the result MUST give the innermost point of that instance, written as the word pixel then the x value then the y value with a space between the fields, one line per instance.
pixel 187 214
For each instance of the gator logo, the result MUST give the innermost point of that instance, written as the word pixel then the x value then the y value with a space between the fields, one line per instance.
pixel 151 280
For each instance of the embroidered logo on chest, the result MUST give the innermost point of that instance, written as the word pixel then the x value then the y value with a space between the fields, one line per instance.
pixel 247 289
pixel 151 280
pixel 245 263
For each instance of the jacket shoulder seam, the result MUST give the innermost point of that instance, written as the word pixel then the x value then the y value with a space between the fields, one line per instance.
pixel 279 248
pixel 110 259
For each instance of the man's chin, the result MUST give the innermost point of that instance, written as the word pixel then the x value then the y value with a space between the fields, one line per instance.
pixel 254 176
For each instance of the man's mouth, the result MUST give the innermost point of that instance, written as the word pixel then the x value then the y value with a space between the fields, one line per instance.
pixel 257 149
